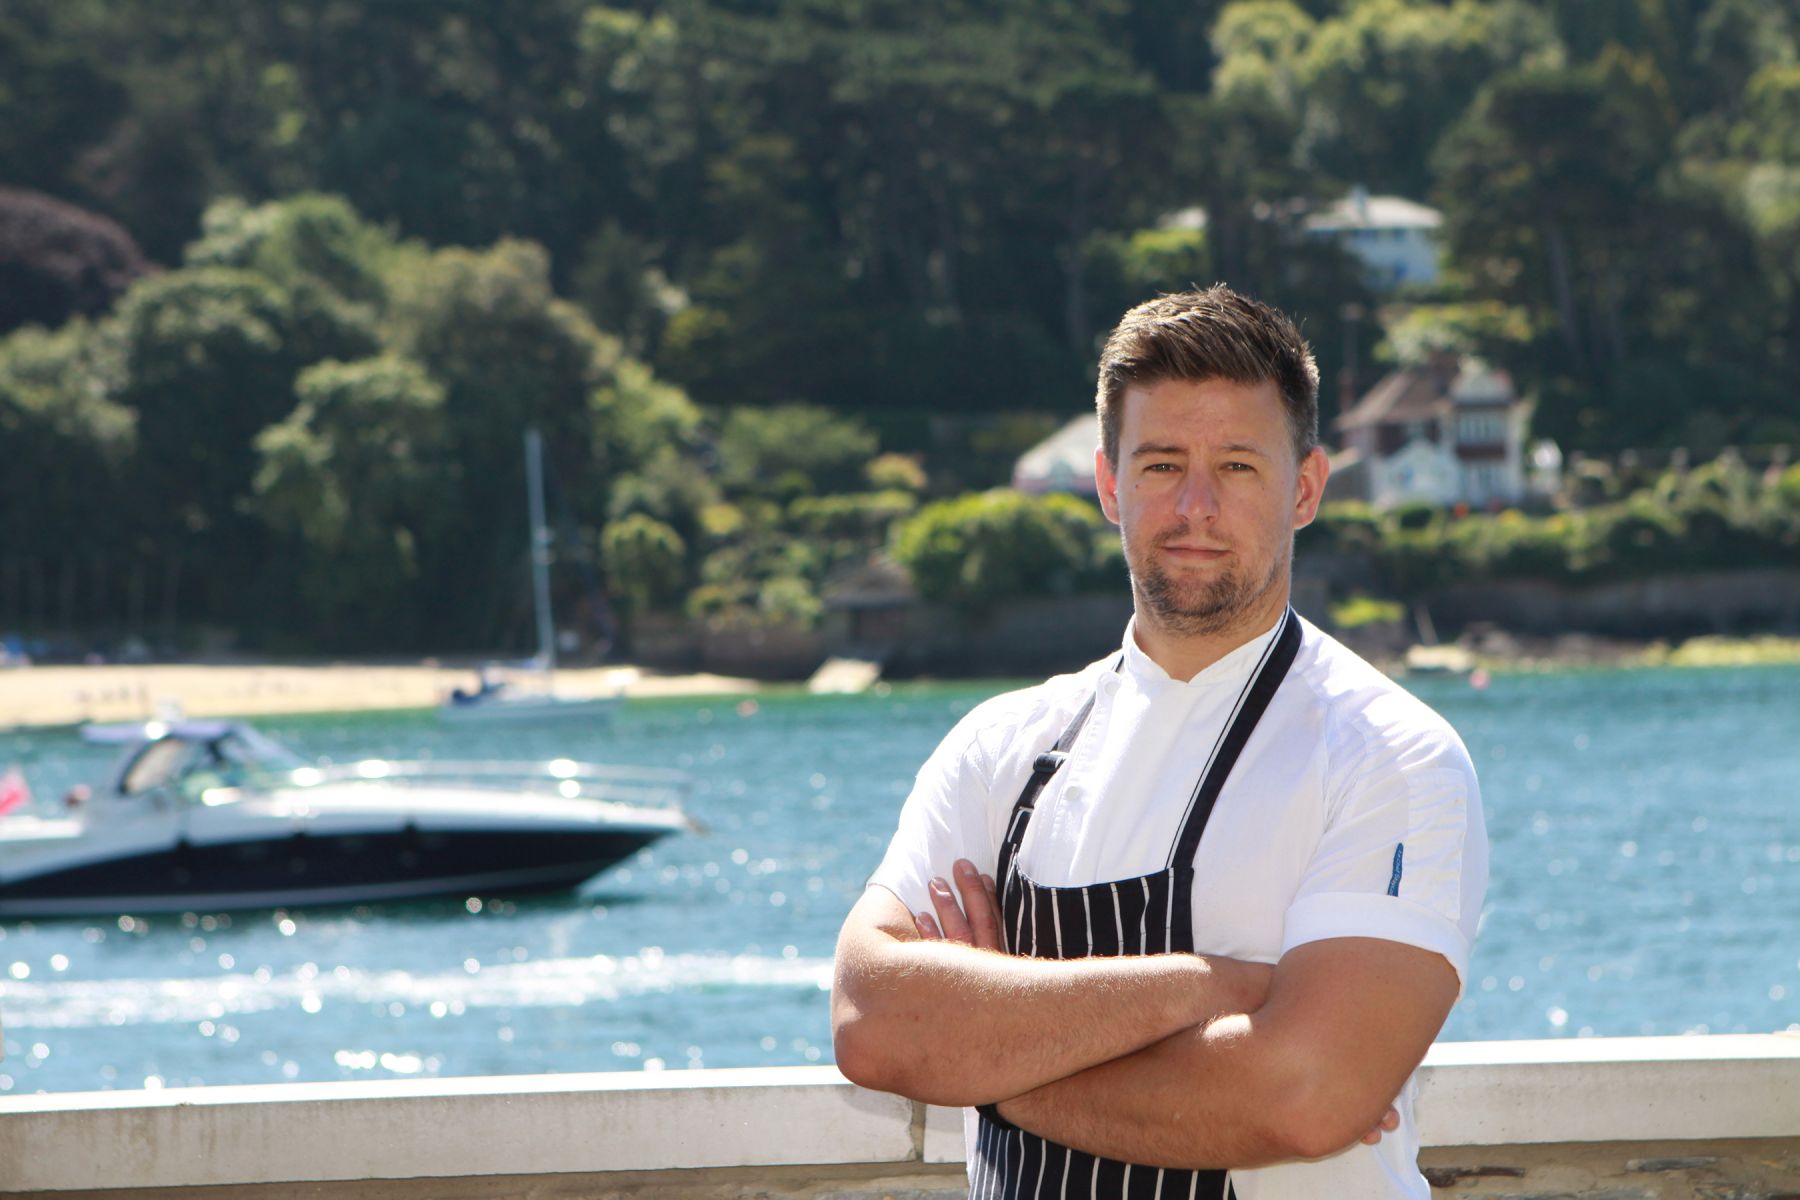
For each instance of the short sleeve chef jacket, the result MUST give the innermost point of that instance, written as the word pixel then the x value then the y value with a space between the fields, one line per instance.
pixel 1352 812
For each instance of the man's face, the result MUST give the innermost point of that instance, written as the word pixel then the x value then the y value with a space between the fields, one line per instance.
pixel 1207 496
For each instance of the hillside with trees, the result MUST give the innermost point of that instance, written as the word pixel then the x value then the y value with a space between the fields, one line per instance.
pixel 282 284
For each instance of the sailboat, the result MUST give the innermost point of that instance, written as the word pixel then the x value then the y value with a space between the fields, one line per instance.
pixel 498 700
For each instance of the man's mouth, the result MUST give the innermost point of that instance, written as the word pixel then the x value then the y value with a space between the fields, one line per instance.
pixel 1193 551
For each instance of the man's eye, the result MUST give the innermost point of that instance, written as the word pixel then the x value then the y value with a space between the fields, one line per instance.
pixel 1239 466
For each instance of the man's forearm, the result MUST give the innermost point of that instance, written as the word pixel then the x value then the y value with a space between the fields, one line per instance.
pixel 1305 1075
pixel 953 1024
pixel 1192 1100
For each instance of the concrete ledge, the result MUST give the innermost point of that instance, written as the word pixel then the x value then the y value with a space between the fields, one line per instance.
pixel 1611 1090
pixel 805 1130
pixel 448 1128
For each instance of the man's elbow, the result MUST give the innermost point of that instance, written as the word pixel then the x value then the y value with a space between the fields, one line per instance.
pixel 1309 1123
pixel 1317 1137
pixel 862 1055
pixel 868 1057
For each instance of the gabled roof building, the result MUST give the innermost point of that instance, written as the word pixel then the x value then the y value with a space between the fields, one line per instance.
pixel 1450 431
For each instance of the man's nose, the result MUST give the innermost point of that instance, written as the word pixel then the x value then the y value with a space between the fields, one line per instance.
pixel 1197 500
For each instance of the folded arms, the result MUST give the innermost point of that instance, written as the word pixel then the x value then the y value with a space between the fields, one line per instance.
pixel 1173 1060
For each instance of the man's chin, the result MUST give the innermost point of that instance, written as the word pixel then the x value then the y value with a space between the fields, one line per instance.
pixel 1192 613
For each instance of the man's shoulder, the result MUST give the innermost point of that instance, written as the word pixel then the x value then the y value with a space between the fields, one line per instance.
pixel 1022 716
pixel 1367 715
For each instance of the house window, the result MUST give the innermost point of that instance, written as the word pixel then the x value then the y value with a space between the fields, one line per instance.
pixel 1481 427
pixel 1485 480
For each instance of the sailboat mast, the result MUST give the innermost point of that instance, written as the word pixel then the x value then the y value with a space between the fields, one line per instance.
pixel 540 550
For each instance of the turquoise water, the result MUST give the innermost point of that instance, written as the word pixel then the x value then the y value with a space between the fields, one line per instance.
pixel 1646 881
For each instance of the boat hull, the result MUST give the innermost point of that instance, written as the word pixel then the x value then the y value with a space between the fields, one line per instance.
pixel 301 868
pixel 529 708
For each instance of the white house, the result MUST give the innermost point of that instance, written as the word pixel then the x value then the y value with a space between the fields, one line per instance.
pixel 1062 462
pixel 1395 239
pixel 1449 432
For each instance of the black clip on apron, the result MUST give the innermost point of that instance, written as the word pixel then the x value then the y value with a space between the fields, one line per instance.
pixel 1151 914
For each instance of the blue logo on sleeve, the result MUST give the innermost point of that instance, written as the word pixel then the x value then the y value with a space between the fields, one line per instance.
pixel 1394 880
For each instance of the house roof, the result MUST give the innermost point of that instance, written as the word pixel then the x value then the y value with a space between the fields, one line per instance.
pixel 1062 462
pixel 1359 210
pixel 1414 394
pixel 1423 392
pixel 1478 383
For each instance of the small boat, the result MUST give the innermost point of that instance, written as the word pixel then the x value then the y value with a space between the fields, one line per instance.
pixel 497 700
pixel 493 699
pixel 1439 660
pixel 211 815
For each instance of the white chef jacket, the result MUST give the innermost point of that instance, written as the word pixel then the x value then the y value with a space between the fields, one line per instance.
pixel 1353 811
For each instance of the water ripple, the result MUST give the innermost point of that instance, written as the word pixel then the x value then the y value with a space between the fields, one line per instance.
pixel 75 1004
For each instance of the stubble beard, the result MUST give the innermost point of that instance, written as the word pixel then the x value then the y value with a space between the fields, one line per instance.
pixel 1205 606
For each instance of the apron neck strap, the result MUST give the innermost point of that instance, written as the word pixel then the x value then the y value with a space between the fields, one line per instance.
pixel 1278 656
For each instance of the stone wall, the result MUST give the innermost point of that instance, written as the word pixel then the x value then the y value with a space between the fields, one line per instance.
pixel 1714 1170
pixel 1665 606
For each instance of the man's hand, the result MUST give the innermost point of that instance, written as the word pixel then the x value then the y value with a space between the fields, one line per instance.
pixel 975 922
pixel 1389 1122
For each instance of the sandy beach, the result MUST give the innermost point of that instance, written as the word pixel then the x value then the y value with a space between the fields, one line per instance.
pixel 67 695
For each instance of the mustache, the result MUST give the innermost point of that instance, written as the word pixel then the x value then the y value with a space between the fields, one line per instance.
pixel 1173 533
pixel 1182 533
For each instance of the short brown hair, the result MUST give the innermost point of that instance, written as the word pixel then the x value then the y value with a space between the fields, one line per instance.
pixel 1214 334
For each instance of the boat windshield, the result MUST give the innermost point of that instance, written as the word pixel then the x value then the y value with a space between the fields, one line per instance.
pixel 231 759
pixel 155 766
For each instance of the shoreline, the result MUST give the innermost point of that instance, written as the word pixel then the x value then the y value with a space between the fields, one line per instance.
pixel 62 695
pixel 59 695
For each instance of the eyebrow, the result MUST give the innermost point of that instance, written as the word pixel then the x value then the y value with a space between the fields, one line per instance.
pixel 1157 448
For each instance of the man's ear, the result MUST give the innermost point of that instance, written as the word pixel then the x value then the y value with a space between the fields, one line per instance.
pixel 1315 469
pixel 1106 484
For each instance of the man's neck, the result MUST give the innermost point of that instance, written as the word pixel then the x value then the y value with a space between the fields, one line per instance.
pixel 1183 656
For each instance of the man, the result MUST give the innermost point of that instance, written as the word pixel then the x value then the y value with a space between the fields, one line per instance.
pixel 1201 907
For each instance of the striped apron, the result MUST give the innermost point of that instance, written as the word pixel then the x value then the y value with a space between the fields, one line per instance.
pixel 1151 914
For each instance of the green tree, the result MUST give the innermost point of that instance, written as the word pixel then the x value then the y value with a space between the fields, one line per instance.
pixel 1384 79
pixel 980 549
pixel 355 481
pixel 645 560
pixel 61 96
pixel 510 354
pixel 67 557
pixel 208 358
pixel 793 447
pixel 305 238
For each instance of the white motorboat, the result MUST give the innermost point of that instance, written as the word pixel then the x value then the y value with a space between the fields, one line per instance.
pixel 209 815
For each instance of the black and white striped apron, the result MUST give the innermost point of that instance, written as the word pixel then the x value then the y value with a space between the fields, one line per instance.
pixel 1151 914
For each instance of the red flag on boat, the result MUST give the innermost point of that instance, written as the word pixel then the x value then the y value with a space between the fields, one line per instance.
pixel 14 793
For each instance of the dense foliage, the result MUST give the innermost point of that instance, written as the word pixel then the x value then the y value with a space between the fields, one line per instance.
pixel 978 550
pixel 723 254
pixel 1719 516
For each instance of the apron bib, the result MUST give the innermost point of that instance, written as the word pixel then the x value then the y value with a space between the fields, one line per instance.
pixel 1150 914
